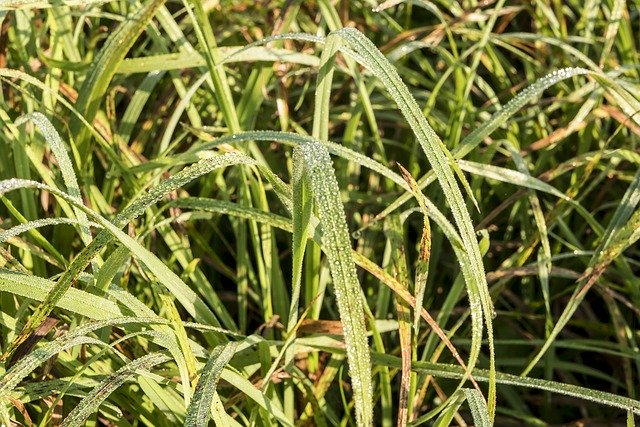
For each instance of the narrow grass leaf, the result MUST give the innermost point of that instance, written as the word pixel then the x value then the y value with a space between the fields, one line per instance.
pixel 66 167
pixel 319 172
pixel 95 397
pixel 622 231
pixel 104 67
pixel 182 291
pixel 199 410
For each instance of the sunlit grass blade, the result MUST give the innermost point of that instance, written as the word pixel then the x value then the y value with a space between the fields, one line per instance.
pixel 90 404
pixel 471 141
pixel 180 61
pixel 41 4
pixel 480 301
pixel 104 67
pixel 38 223
pixel 199 411
pixel 74 300
pixel 335 236
pixel 132 211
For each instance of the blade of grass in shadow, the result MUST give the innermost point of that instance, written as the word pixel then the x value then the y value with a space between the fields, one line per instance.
pixel 424 253
pixel 393 229
pixel 623 230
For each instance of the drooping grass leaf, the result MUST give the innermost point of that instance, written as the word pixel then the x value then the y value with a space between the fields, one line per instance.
pixel 185 296
pixel 91 403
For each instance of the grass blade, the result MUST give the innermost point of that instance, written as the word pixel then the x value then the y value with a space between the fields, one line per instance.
pixel 91 403
pixel 335 237
pixel 199 411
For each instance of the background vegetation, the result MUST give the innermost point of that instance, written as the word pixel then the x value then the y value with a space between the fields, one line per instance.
pixel 437 223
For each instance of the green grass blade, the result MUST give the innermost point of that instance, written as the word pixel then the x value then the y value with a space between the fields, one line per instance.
pixel 199 411
pixel 91 403
pixel 132 211
pixel 480 301
pixel 335 236
pixel 471 141
pixel 74 300
pixel 622 231
pixel 66 167
pixel 104 67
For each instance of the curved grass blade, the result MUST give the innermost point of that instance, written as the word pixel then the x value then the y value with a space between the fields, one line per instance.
pixel 249 390
pixel 7 75
pixel 104 67
pixel 229 208
pixel 32 360
pixel 199 410
pixel 478 407
pixel 33 232
pixel 95 397
pixel 444 370
pixel 41 4
pixel 180 61
pixel 74 300
pixel 473 269
pixel 38 223
pixel 499 118
pixel 132 211
pixel 339 150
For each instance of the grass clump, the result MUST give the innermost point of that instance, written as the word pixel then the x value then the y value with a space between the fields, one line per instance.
pixel 208 213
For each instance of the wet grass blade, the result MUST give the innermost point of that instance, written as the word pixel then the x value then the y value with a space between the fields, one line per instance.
pixel 95 397
pixel 132 211
pixel 623 230
pixel 480 301
pixel 335 236
pixel 199 411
